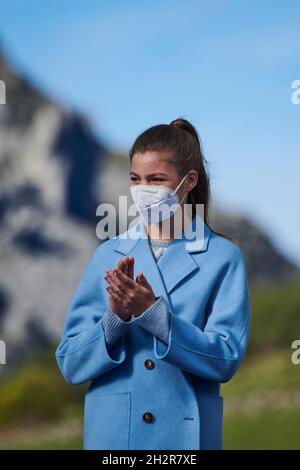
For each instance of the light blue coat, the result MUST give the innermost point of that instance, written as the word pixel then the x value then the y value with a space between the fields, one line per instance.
pixel 203 304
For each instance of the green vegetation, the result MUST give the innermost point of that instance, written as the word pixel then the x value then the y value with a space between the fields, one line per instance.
pixel 38 393
pixel 44 444
pixel 271 430
pixel 275 317
pixel 269 372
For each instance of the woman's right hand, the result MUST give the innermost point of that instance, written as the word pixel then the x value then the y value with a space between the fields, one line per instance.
pixel 126 266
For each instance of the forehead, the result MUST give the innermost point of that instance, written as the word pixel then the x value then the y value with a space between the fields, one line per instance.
pixel 152 161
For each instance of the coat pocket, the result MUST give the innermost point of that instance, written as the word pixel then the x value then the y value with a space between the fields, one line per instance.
pixel 107 420
pixel 211 421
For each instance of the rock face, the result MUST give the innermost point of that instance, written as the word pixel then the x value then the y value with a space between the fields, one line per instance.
pixel 53 174
pixel 49 169
pixel 264 262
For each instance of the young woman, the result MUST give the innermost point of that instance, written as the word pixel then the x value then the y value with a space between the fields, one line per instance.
pixel 157 346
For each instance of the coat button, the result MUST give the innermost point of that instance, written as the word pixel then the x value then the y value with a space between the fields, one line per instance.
pixel 148 417
pixel 149 364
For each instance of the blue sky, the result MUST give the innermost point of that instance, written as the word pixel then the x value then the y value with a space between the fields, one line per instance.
pixel 227 66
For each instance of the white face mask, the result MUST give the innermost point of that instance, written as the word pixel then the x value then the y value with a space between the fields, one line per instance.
pixel 154 202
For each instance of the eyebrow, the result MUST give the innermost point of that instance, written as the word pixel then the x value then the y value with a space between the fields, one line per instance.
pixel 151 174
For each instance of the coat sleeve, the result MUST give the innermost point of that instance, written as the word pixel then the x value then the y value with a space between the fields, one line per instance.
pixel 92 340
pixel 156 319
pixel 114 326
pixel 215 352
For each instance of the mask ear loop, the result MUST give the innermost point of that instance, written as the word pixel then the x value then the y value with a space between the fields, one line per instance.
pixel 176 189
pixel 182 182
pixel 183 197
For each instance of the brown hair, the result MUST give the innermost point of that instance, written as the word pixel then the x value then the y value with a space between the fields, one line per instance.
pixel 181 139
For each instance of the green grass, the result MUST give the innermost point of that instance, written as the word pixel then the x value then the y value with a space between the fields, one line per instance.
pixel 274 316
pixel 269 372
pixel 37 392
pixel 62 444
pixel 271 430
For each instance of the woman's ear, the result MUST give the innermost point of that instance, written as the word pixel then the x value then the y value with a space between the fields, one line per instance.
pixel 192 179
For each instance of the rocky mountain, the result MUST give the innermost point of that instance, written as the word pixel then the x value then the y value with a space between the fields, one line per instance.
pixel 53 173
pixel 265 264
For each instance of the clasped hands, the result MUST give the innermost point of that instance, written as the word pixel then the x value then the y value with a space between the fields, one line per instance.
pixel 126 296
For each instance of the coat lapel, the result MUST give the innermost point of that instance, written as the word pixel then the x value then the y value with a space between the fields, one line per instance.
pixel 174 266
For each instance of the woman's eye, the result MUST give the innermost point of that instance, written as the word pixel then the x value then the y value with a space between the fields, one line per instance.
pixel 134 178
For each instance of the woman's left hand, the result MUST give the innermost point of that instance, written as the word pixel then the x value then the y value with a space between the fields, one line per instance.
pixel 135 296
